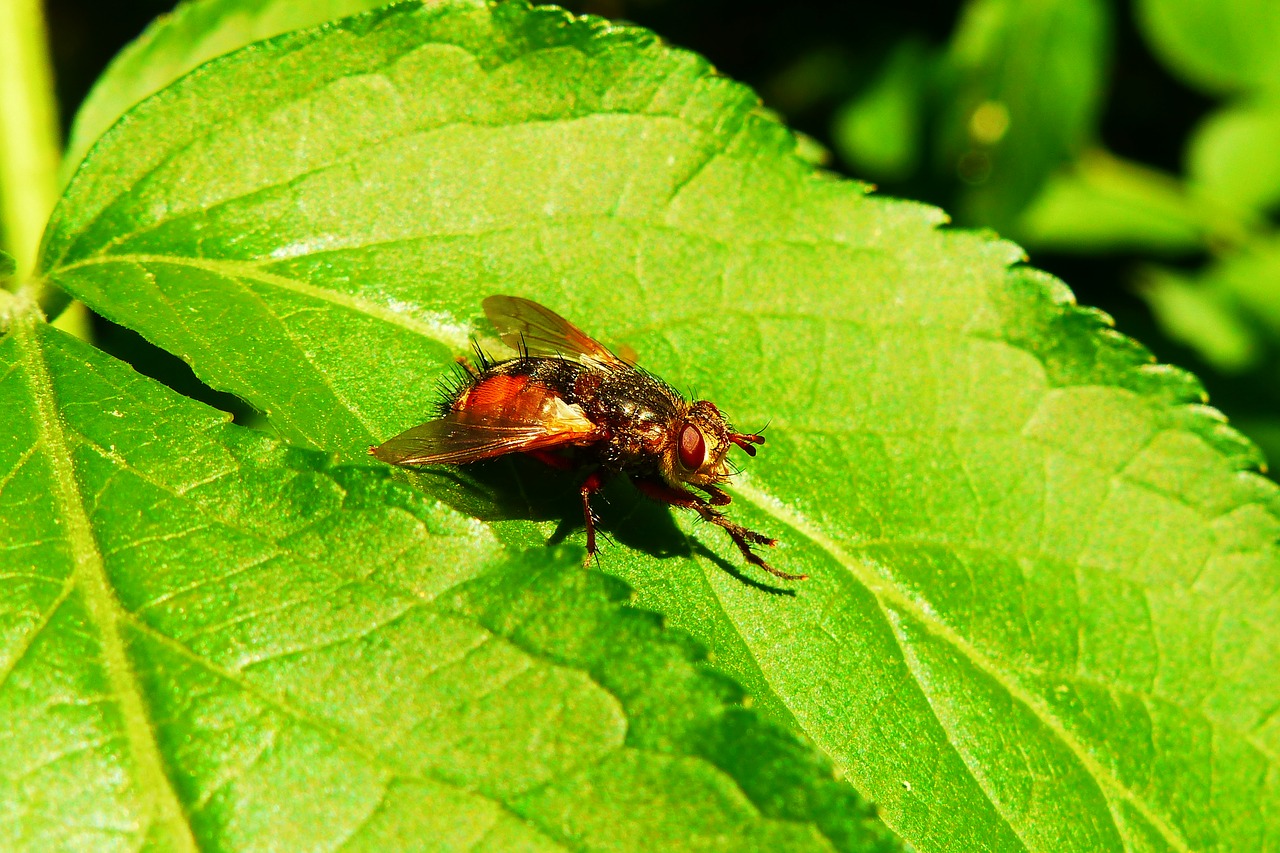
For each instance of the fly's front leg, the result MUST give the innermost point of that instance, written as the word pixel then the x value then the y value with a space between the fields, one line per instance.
pixel 718 497
pixel 742 537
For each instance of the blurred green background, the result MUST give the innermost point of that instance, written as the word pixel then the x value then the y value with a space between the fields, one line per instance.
pixel 1133 148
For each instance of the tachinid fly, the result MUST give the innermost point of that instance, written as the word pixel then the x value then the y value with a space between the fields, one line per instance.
pixel 571 403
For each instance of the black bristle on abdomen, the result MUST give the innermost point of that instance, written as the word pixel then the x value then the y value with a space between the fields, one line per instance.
pixel 450 387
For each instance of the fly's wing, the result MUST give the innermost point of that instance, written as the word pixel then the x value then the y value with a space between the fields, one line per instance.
pixel 528 326
pixel 534 418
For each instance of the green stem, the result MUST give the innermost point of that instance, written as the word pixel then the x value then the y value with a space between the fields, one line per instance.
pixel 29 148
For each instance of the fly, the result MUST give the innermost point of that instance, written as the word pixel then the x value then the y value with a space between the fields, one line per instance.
pixel 569 402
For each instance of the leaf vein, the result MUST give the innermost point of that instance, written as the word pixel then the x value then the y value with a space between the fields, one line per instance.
pixel 887 594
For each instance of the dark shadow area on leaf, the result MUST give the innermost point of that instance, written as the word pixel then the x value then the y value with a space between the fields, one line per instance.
pixel 729 568
pixel 518 487
pixel 165 367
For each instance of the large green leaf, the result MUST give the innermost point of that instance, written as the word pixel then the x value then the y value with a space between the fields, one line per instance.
pixel 173 45
pixel 1042 612
pixel 210 640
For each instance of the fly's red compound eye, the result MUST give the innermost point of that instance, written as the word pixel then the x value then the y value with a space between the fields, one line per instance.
pixel 693 449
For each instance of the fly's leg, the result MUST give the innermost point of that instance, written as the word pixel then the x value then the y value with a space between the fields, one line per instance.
pixel 718 497
pixel 742 537
pixel 590 486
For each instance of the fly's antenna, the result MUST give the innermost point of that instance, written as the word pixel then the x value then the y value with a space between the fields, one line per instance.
pixel 746 440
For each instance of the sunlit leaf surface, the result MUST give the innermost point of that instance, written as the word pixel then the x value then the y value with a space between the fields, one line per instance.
pixel 175 44
pixel 1043 606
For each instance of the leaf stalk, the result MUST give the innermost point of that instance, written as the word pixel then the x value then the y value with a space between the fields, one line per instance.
pixel 29 149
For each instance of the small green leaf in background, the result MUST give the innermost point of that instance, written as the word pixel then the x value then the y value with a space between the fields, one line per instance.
pixel 1233 157
pixel 1233 162
pixel 1042 612
pixel 1205 317
pixel 880 130
pixel 210 640
pixel 7 267
pixel 1236 305
pixel 1103 203
pixel 1023 90
pixel 1221 46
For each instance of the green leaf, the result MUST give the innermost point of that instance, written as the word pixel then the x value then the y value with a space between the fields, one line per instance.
pixel 177 43
pixel 1025 83
pixel 1223 46
pixel 1226 308
pixel 1233 156
pixel 1104 203
pixel 879 131
pixel 1042 612
pixel 1266 432
pixel 7 301
pixel 213 641
pixel 1202 316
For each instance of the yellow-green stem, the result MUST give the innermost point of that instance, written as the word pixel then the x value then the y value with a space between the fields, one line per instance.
pixel 28 132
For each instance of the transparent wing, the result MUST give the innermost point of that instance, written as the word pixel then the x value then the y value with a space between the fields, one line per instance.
pixel 525 325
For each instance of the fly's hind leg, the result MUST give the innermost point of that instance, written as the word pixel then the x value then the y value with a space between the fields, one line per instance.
pixel 590 486
pixel 741 536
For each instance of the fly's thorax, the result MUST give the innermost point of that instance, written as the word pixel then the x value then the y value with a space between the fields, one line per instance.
pixel 636 411
pixel 638 435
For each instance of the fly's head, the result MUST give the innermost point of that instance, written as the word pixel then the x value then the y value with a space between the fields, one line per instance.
pixel 697 454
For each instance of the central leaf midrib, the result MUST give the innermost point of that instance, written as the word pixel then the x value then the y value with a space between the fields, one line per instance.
pixel 250 270
pixel 89 576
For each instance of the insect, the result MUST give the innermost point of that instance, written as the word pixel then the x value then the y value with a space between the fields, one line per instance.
pixel 569 402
